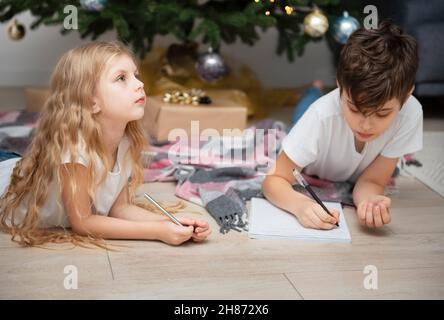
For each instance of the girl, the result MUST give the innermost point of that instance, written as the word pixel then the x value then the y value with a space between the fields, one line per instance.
pixel 83 166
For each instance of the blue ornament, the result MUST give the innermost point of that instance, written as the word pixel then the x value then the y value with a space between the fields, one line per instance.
pixel 93 5
pixel 343 27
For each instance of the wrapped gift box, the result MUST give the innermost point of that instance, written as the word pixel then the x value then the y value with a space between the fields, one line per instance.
pixel 228 110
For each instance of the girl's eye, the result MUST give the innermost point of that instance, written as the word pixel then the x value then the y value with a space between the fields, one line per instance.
pixel 382 115
pixel 121 78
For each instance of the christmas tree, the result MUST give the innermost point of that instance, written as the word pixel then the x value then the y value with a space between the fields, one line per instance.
pixel 212 22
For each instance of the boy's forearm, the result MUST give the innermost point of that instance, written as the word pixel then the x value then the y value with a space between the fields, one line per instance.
pixel 365 189
pixel 281 193
pixel 114 228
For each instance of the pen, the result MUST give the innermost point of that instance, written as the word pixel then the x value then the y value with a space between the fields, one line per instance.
pixel 307 187
pixel 173 218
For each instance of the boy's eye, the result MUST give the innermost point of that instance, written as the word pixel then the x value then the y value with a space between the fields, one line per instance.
pixel 121 78
pixel 382 115
pixel 354 110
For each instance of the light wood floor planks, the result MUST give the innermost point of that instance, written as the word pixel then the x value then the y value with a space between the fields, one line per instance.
pixel 408 254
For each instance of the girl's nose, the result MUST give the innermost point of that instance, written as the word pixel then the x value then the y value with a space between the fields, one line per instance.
pixel 139 84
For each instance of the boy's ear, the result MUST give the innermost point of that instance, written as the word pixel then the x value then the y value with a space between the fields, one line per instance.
pixel 337 84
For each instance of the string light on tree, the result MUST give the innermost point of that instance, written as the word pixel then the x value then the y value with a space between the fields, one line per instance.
pixel 288 10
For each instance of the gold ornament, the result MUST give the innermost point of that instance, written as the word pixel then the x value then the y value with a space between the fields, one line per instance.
pixel 315 24
pixel 16 30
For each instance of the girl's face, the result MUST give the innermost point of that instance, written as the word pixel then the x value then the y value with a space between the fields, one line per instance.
pixel 120 96
pixel 369 127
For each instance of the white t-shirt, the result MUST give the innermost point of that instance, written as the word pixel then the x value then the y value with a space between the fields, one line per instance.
pixel 323 144
pixel 52 213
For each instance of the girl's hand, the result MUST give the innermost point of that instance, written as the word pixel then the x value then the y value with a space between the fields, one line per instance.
pixel 375 211
pixel 173 234
pixel 201 228
pixel 312 215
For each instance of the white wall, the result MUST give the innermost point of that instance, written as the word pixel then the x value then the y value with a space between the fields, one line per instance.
pixel 29 62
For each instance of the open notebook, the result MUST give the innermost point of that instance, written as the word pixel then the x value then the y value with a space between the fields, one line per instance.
pixel 268 221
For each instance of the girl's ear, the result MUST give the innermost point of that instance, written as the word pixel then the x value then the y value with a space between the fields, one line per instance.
pixel 96 108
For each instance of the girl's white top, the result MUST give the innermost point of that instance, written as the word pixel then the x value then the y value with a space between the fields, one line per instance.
pixel 52 213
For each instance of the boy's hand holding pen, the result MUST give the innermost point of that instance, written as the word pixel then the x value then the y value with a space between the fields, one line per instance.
pixel 314 214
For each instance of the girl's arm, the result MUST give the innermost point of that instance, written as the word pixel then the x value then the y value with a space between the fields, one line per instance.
pixel 83 222
pixel 122 209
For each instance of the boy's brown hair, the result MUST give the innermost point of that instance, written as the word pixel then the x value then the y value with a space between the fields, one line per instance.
pixel 378 65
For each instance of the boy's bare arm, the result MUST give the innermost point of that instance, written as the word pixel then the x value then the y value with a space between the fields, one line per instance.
pixel 374 179
pixel 278 189
pixel 373 208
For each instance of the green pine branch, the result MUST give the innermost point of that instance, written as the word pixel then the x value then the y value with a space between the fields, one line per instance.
pixel 213 22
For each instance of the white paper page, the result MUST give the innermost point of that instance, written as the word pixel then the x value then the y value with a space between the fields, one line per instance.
pixel 268 221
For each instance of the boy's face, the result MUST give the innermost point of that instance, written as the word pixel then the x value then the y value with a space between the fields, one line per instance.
pixel 120 96
pixel 369 127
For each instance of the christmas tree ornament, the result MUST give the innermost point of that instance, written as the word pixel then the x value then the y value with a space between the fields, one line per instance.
pixel 343 27
pixel 16 30
pixel 210 66
pixel 93 5
pixel 315 24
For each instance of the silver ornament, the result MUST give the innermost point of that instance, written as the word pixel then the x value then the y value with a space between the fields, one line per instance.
pixel 93 5
pixel 210 66
pixel 343 27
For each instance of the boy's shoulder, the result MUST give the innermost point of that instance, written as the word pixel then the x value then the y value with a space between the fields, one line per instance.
pixel 411 109
pixel 328 106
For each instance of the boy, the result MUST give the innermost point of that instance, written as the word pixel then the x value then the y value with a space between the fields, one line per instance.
pixel 357 132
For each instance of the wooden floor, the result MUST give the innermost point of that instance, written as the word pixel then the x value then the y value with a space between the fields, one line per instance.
pixel 408 255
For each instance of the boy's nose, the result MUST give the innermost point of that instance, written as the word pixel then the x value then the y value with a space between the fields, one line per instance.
pixel 366 123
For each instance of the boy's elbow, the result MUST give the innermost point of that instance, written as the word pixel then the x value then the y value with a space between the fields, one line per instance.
pixel 265 184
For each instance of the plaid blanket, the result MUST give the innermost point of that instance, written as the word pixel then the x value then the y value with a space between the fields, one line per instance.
pixel 16 131
pixel 223 187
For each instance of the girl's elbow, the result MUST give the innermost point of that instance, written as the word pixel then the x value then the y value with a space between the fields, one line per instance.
pixel 82 228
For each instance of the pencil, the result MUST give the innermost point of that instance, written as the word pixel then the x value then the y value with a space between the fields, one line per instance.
pixel 169 215
pixel 307 187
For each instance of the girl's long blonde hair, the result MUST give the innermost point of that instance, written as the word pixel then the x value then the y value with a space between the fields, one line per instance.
pixel 66 113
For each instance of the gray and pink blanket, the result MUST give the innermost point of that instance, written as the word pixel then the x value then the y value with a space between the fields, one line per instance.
pixel 223 187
